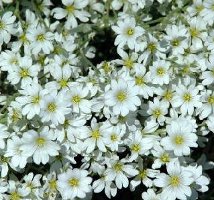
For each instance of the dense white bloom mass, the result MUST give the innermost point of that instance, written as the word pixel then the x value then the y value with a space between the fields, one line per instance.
pixel 101 97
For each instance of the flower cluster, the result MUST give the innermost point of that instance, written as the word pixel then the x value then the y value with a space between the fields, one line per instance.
pixel 80 114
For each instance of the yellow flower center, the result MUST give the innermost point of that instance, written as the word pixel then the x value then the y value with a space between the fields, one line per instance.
pixel 95 134
pixel 199 8
pixel 3 159
pixel 24 73
pixel 143 174
pixel 2 25
pixel 186 70
pixel 15 116
pixel 40 141
pixel 76 99
pixel 210 100
pixel 139 80
pixel 118 167
pixel 175 42
pixel 23 38
pixel 152 47
pixel 35 99
pixel 128 63
pixel 63 83
pixel 57 50
pixel 52 107
pixel 70 8
pixel 174 181
pixel 187 97
pixel 160 71
pixel 106 67
pixel 194 32
pixel 121 96
pixel 14 61
pixel 130 31
pixel 74 182
pixel 157 112
pixel 40 37
pixel 165 158
pixel 52 184
pixel 168 95
pixel 135 147
pixel 15 196
pixel 114 137
pixel 122 119
pixel 179 140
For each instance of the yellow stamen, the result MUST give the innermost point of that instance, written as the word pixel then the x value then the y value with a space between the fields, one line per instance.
pixel 121 96
pixel 135 147
pixel 95 134
pixel 174 181
pixel 40 141
pixel 52 107
pixel 130 31
pixel 187 97
pixel 179 140
pixel 74 182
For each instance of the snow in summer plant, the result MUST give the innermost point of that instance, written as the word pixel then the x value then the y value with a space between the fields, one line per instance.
pixel 102 96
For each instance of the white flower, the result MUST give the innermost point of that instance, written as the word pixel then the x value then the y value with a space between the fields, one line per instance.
pixel 32 99
pixel 177 36
pixel 159 72
pixel 176 184
pixel 144 176
pixel 200 180
pixel 128 61
pixel 141 82
pixel 9 60
pixel 73 9
pixel 54 108
pixel 150 195
pixel 15 191
pixel 208 104
pixel 158 109
pixel 122 97
pixel 209 42
pixel 127 32
pixel 77 95
pixel 208 75
pixel 207 12
pixel 180 137
pixel 74 183
pixel 162 156
pixel 39 145
pixel 210 123
pixel 18 157
pixel 196 8
pixel 197 31
pixel 113 136
pixel 32 183
pixel 118 170
pixel 152 49
pixel 138 145
pixel 6 27
pixel 95 137
pixel 187 98
pixel 3 164
pixel 40 40
pixel 25 71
